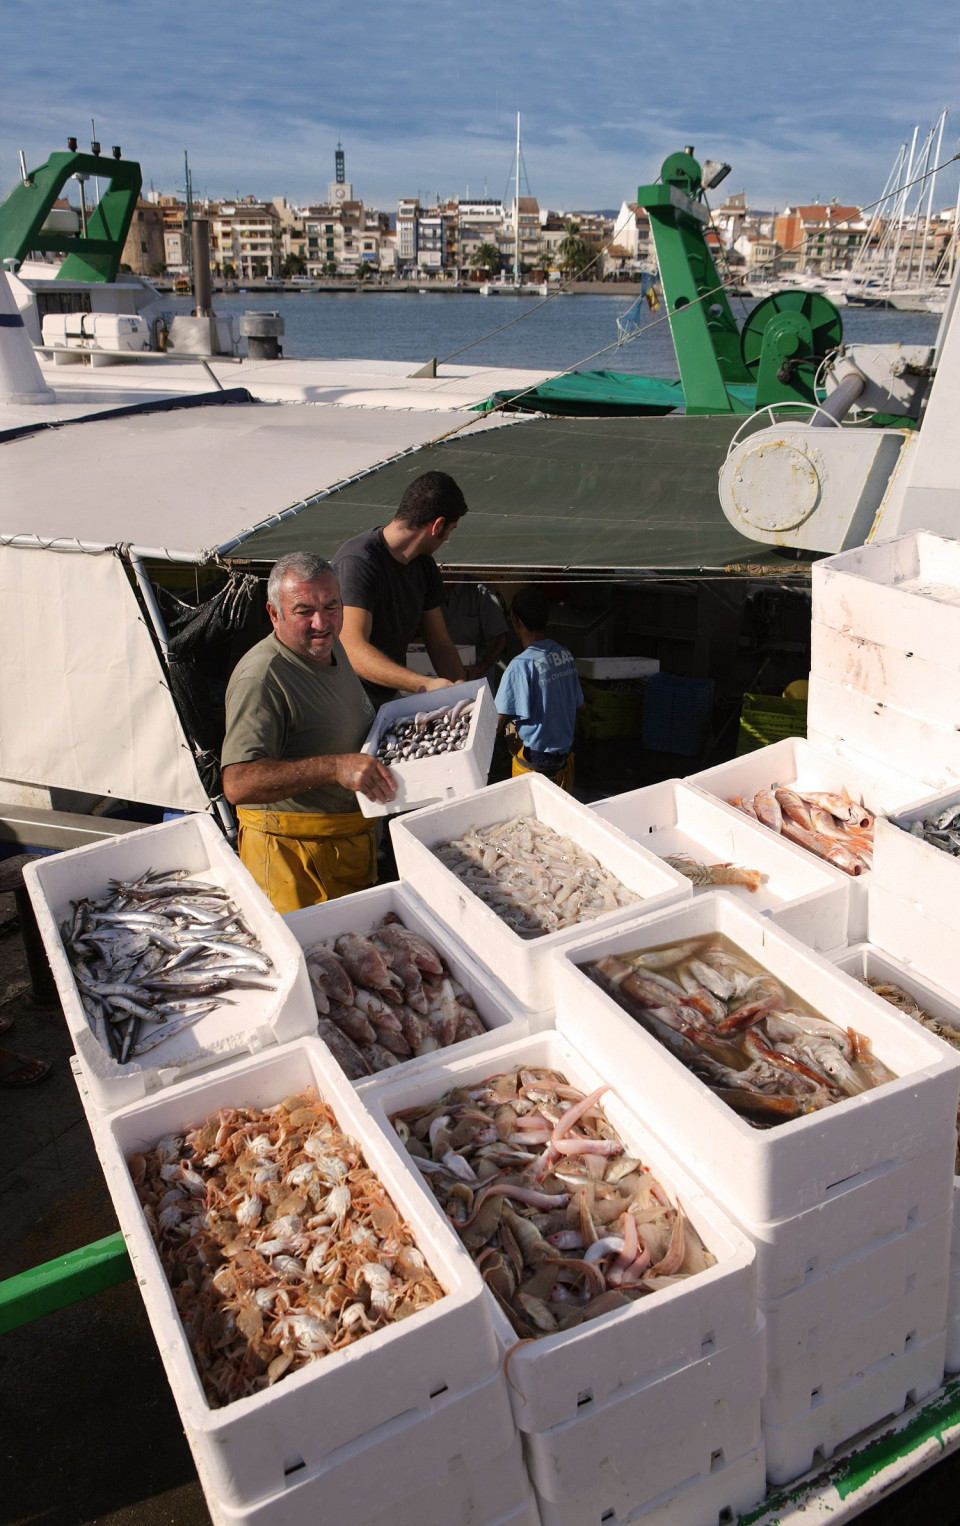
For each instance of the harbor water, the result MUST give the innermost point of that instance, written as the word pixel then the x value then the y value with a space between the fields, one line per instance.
pixel 559 332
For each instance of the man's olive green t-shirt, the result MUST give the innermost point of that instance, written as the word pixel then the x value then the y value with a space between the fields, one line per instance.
pixel 280 705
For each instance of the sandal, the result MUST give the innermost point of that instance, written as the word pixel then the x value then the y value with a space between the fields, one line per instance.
pixel 20 1071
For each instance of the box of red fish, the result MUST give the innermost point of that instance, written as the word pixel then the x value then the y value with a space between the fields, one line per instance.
pixel 451 993
pixel 566 1373
pixel 803 770
pixel 249 1449
pixel 429 763
pixel 522 962
pixel 716 848
pixel 825 1136
pixel 187 868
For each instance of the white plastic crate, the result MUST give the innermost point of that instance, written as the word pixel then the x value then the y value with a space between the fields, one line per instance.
pixel 448 775
pixel 867 1399
pixel 248 1448
pixel 729 1489
pixel 863 1213
pixel 560 1376
pixel 912 1320
pixel 253 1020
pixel 794 761
pixel 690 1421
pixel 838 716
pixel 911 583
pixel 362 912
pixel 463 1461
pixel 806 897
pixel 770 1173
pixel 523 965
pixel 893 673
pixel 608 669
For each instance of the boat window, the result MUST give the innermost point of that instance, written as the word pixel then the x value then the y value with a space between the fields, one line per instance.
pixel 62 302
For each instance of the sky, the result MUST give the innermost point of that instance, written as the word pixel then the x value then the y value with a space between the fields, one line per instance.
pixel 806 102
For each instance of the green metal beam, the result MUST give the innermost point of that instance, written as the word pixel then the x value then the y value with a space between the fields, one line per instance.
pixel 66 1280
pixel 91 257
pixel 705 333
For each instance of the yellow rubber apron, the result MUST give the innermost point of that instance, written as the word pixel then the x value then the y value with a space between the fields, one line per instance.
pixel 563 776
pixel 301 857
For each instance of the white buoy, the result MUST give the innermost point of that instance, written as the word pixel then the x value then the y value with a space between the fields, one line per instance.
pixel 21 380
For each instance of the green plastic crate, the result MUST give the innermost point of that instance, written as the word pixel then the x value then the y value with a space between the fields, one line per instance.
pixel 765 719
pixel 611 710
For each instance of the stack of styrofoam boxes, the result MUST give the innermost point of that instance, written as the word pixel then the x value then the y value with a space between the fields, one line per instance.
pixel 445 776
pixel 522 965
pixel 361 913
pixel 253 1020
pixel 849 1208
pixel 864 962
pixel 798 763
pixel 803 895
pixel 648 1413
pixel 411 1424
pixel 885 679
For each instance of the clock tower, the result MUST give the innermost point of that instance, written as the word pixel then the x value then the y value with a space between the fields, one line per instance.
pixel 340 189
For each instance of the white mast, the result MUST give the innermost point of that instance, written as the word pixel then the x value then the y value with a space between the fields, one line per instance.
pixel 516 206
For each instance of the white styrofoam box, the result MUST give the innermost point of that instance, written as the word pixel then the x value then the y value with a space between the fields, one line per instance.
pixel 806 897
pixel 762 1174
pixel 605 669
pixel 853 1347
pixel 248 1446
pixel 951 1360
pixel 910 930
pixel 877 729
pixel 795 762
pixel 560 1376
pixel 889 672
pixel 363 911
pixel 523 964
pixel 911 583
pixel 463 1461
pixel 447 775
pixel 914 870
pixel 252 1020
pixel 690 1422
pixel 729 1489
pixel 418 659
pixel 869 1397
pixel 863 1213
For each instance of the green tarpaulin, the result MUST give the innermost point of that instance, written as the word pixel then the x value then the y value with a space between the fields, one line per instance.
pixel 591 495
pixel 611 393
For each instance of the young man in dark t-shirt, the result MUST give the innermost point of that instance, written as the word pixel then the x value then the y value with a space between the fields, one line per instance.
pixel 392 591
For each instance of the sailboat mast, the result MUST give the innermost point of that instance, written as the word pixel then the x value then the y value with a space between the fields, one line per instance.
pixel 516 205
pixel 933 181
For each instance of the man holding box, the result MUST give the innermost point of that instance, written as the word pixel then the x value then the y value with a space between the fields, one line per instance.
pixel 297 716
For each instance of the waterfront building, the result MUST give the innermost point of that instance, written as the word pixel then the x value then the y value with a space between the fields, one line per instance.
pixel 819 237
pixel 245 238
pixel 632 248
pixel 144 252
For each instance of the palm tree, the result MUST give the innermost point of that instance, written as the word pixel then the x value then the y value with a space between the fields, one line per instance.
pixel 487 257
pixel 574 252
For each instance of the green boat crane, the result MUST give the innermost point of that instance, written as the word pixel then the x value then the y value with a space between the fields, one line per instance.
pixel 93 253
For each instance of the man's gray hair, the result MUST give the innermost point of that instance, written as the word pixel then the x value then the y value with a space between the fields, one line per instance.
pixel 306 565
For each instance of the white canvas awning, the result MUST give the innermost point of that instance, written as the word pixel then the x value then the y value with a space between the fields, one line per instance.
pixel 182 483
pixel 84 700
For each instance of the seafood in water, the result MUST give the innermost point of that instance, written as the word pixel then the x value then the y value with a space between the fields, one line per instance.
pixel 278 1241
pixel 716 874
pixel 385 995
pixel 155 955
pixel 563 1225
pixel 834 827
pixel 536 880
pixel 759 1048
pixel 426 734
pixel 904 1002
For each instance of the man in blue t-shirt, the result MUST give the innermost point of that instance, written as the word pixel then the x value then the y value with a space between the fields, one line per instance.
pixel 540 692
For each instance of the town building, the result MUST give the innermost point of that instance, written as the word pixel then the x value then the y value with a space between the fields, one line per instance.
pixel 144 252
pixel 818 237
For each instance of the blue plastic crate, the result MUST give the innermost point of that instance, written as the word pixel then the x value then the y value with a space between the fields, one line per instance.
pixel 676 713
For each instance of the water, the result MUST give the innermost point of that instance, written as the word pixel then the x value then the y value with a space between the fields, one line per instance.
pixel 564 332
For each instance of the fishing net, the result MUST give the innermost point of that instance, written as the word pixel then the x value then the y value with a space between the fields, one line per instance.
pixel 205 640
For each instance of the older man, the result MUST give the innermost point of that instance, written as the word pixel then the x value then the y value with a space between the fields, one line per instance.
pixel 296 718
